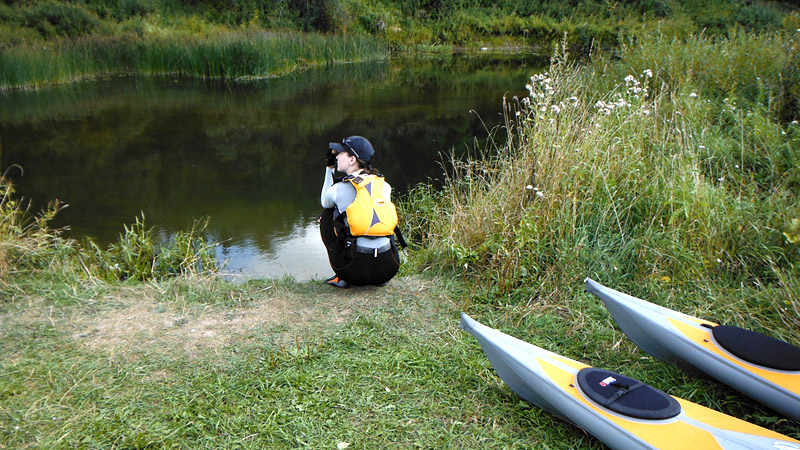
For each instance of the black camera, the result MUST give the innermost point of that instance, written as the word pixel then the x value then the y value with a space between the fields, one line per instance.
pixel 330 159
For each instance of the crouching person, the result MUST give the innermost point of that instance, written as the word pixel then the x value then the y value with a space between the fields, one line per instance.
pixel 359 220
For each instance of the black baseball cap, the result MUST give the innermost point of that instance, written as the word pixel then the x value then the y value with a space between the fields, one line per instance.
pixel 356 146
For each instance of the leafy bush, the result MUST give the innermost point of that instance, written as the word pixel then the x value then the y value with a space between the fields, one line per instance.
pixel 758 17
pixel 120 10
pixel 52 19
pixel 320 15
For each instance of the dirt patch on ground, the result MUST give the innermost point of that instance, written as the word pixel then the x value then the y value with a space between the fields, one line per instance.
pixel 135 320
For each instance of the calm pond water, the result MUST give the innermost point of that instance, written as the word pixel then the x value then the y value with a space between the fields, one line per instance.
pixel 247 156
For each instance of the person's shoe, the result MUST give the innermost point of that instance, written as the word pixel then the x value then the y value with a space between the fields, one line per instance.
pixel 336 281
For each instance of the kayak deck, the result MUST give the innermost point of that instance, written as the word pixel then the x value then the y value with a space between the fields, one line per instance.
pixel 768 375
pixel 551 382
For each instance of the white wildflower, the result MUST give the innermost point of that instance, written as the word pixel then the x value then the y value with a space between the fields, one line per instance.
pixel 529 187
pixel 648 73
pixel 540 194
pixel 645 112
pixel 693 95
pixel 555 109
pixel 342 445
pixel 719 260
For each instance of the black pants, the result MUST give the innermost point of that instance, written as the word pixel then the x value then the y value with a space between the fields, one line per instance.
pixel 359 269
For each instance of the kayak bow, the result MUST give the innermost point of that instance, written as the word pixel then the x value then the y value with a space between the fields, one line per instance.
pixel 611 406
pixel 761 367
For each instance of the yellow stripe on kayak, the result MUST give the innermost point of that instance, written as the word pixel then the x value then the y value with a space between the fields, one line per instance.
pixel 702 337
pixel 725 422
pixel 570 362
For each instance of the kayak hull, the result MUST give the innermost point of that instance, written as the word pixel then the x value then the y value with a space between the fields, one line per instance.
pixel 550 381
pixel 690 343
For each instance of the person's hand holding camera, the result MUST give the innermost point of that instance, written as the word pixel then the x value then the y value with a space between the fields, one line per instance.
pixel 330 159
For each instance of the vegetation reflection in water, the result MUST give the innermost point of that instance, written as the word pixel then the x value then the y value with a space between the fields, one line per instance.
pixel 248 156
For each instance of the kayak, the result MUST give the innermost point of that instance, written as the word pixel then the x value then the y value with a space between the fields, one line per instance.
pixel 620 411
pixel 759 366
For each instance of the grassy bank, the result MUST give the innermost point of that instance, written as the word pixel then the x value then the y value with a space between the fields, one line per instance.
pixel 676 167
pixel 671 174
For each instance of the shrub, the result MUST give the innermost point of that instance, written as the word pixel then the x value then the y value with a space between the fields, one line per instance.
pixel 53 19
pixel 758 17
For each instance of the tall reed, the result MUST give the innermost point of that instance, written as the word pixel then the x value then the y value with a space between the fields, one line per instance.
pixel 29 244
pixel 632 180
pixel 26 240
pixel 232 55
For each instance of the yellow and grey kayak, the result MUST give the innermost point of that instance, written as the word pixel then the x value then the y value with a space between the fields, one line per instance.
pixel 620 411
pixel 759 366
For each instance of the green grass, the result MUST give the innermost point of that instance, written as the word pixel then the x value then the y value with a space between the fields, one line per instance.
pixel 375 368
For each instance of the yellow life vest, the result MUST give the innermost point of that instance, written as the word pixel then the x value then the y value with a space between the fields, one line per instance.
pixel 370 214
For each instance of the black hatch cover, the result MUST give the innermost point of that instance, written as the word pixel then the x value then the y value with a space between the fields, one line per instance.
pixel 626 395
pixel 758 348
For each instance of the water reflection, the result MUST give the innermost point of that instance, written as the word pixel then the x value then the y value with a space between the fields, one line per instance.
pixel 249 156
pixel 299 254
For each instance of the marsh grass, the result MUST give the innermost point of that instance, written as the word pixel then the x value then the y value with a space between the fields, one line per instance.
pixel 26 239
pixel 644 173
pixel 28 245
pixel 138 255
pixel 232 55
